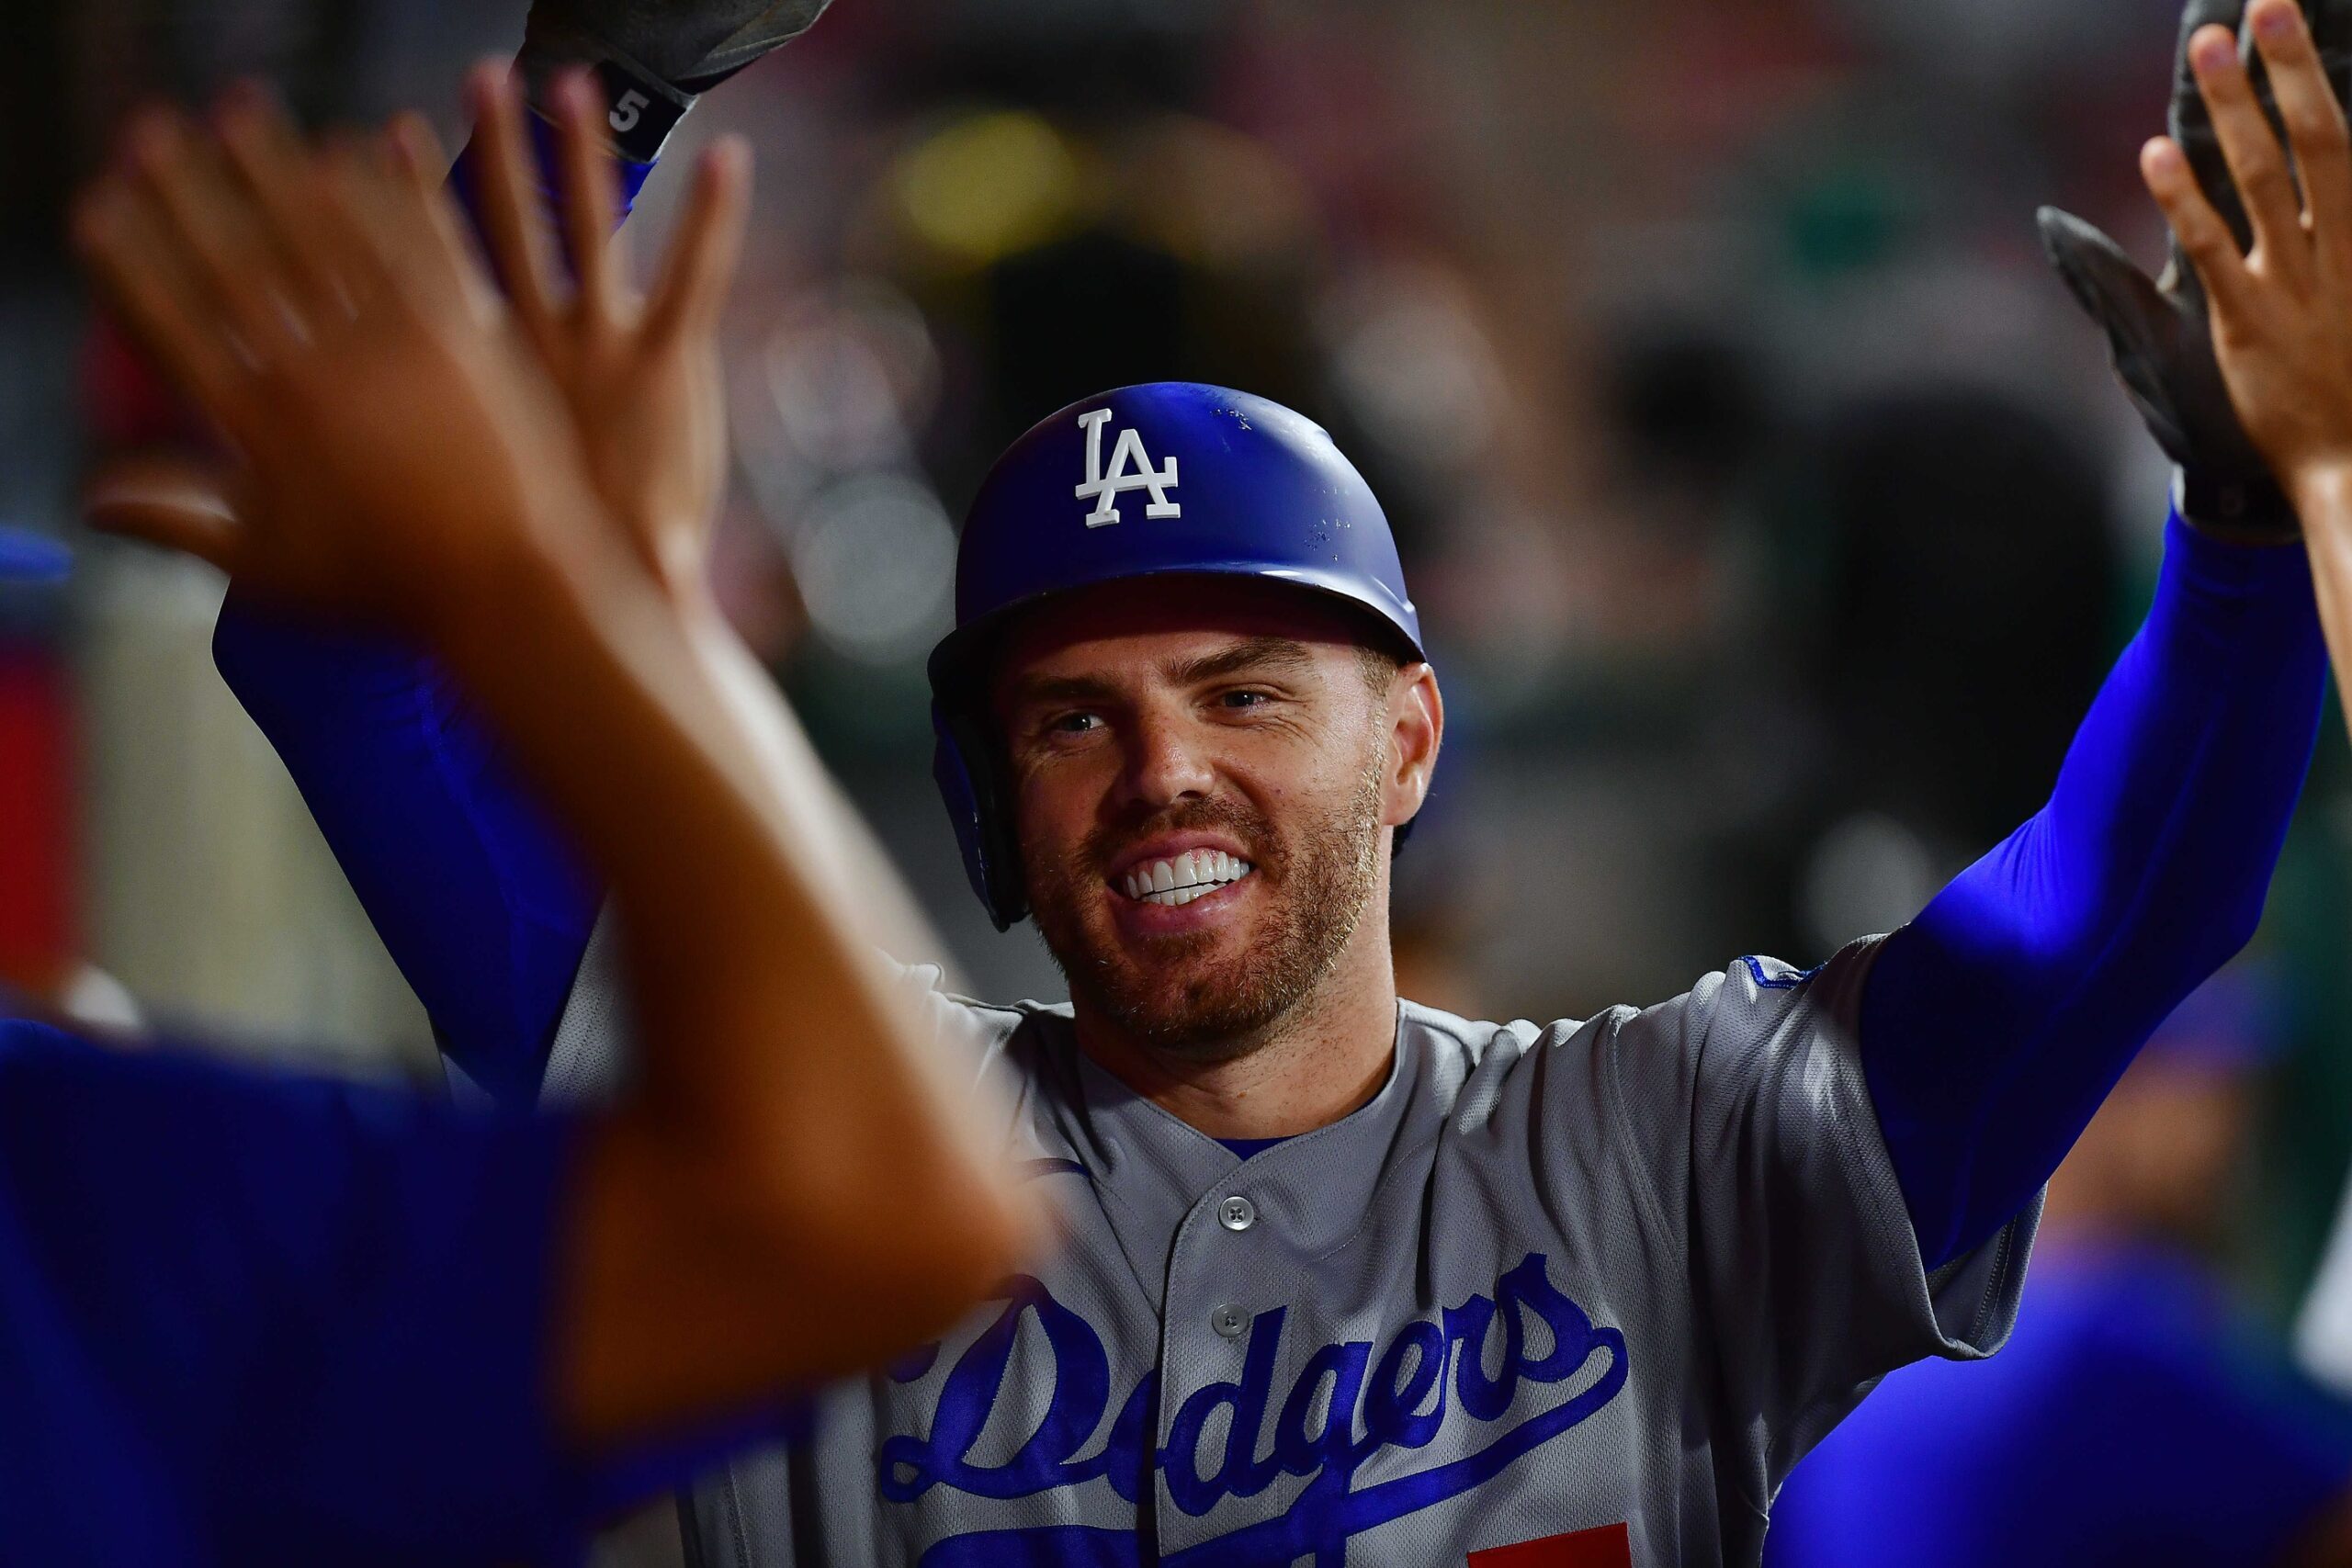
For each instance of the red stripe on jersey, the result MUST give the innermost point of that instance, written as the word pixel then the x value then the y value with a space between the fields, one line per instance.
pixel 1606 1548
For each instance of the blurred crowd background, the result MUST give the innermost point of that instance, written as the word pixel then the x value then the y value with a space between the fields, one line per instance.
pixel 1772 513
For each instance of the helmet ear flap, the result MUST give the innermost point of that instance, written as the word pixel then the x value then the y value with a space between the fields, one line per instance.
pixel 967 775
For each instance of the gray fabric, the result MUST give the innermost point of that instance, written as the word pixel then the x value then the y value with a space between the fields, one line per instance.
pixel 591 1057
pixel 1664 1252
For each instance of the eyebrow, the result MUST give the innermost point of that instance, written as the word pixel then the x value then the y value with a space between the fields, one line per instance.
pixel 1269 654
pixel 1251 655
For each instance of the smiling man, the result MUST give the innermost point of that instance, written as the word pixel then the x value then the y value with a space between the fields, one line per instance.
pixel 1207 778
pixel 1349 1280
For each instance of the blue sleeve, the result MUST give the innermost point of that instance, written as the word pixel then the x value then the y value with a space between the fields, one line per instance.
pixel 477 897
pixel 1995 1024
pixel 630 174
pixel 298 1322
pixel 473 893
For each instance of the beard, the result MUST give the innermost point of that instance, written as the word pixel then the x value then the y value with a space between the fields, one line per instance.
pixel 1173 995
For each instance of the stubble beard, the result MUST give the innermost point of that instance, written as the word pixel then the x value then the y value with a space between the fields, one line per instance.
pixel 1317 890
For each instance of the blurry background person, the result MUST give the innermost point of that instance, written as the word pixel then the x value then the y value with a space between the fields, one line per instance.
pixel 2138 1413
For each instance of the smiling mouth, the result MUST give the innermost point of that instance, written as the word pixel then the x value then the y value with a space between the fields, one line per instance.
pixel 1195 874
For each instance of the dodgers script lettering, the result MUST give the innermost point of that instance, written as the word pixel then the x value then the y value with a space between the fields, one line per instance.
pixel 1347 1402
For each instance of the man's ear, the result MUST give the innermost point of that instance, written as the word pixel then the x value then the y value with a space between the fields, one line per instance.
pixel 1416 731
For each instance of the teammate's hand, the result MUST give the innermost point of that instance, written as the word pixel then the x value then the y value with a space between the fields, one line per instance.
pixel 2159 329
pixel 2282 311
pixel 394 452
pixel 640 373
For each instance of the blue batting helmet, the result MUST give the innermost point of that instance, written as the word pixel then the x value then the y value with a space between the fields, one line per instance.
pixel 1168 479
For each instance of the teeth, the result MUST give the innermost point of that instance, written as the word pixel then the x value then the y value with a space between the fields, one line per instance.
pixel 1195 874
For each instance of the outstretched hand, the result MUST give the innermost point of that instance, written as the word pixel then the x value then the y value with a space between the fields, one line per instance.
pixel 2158 329
pixel 392 451
pixel 2281 309
pixel 640 371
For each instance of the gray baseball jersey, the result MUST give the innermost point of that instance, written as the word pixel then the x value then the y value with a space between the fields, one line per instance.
pixel 1557 1297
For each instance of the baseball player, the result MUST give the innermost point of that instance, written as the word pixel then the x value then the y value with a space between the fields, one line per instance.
pixel 250 1319
pixel 1348 1279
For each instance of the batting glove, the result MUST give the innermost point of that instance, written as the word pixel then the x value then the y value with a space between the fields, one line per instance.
pixel 657 56
pixel 2158 329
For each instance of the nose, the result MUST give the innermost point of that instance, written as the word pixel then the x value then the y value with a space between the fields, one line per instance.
pixel 1165 762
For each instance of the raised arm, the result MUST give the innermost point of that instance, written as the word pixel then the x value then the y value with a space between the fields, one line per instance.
pixel 795 1172
pixel 1996 1023
pixel 479 901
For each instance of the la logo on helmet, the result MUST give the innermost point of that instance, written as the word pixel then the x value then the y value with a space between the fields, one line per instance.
pixel 1130 469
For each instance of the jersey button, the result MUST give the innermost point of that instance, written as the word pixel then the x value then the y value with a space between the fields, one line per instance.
pixel 1236 1213
pixel 1228 1322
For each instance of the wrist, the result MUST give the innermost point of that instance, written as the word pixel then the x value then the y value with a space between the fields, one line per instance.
pixel 2322 493
pixel 527 581
pixel 683 578
pixel 471 617
pixel 2249 509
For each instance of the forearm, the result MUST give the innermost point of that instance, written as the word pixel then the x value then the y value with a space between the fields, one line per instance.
pixel 785 1091
pixel 478 900
pixel 1996 1023
pixel 853 862
pixel 2324 502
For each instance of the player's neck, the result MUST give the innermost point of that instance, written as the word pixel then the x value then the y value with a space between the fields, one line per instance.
pixel 1320 1061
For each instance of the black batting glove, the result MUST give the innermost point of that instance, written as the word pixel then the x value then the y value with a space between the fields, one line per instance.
pixel 2158 329
pixel 655 57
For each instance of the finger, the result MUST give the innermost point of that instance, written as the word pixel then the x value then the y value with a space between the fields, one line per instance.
pixel 120 241
pixel 214 233
pixel 591 208
pixel 2190 122
pixel 330 263
pixel 2256 162
pixel 512 215
pixel 267 161
pixel 172 501
pixel 339 194
pixel 2204 239
pixel 394 200
pixel 2315 128
pixel 423 166
pixel 703 258
pixel 418 165
pixel 368 178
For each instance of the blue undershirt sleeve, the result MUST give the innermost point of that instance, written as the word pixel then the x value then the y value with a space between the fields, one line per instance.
pixel 474 893
pixel 1995 1024
pixel 477 897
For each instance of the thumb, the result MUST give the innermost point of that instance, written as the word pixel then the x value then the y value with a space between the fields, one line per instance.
pixel 177 502
pixel 2143 327
pixel 2108 285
